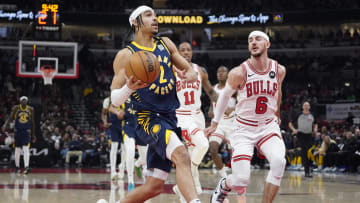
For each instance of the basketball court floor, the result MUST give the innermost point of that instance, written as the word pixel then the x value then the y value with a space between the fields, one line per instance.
pixel 91 185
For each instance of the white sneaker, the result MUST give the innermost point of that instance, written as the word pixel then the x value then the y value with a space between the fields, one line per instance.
pixel 178 193
pixel 114 176
pixel 220 193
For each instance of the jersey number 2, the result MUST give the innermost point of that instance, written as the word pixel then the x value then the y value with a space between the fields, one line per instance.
pixel 188 100
pixel 261 105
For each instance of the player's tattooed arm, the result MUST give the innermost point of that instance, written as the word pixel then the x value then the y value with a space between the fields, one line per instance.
pixel 180 62
pixel 207 86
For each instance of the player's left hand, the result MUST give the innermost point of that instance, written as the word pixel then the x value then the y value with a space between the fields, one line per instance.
pixel 33 140
pixel 211 129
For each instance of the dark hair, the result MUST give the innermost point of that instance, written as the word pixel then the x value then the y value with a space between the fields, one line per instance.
pixel 139 21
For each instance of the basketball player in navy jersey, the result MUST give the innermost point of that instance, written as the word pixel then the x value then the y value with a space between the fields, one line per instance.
pixel 155 104
pixel 130 139
pixel 23 115
pixel 116 116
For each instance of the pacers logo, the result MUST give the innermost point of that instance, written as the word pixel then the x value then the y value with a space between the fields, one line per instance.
pixel 155 129
pixel 23 117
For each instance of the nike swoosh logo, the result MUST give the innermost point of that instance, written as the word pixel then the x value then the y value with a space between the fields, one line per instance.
pixel 251 75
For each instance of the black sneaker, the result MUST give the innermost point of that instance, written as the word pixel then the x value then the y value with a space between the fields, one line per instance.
pixel 27 170
pixel 308 175
pixel 17 170
pixel 220 193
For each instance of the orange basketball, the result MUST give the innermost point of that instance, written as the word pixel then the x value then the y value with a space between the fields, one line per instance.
pixel 144 66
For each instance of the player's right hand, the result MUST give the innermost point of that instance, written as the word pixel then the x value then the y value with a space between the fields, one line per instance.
pixel 211 129
pixel 135 84
pixel 294 132
pixel 106 125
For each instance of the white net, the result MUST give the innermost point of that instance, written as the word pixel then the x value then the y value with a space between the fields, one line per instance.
pixel 48 75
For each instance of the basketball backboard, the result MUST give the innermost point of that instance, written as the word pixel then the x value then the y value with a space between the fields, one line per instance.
pixel 60 56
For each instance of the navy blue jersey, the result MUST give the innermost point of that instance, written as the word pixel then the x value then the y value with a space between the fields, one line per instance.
pixel 114 119
pixel 160 96
pixel 22 117
pixel 130 112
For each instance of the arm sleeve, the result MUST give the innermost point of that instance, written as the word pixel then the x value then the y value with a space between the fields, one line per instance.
pixel 222 102
pixel 119 96
pixel 106 103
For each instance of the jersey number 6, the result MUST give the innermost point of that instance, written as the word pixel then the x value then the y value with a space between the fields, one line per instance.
pixel 261 105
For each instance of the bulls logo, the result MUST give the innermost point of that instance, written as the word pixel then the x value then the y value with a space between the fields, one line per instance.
pixel 272 74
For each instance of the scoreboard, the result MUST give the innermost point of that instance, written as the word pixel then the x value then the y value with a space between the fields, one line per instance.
pixel 48 18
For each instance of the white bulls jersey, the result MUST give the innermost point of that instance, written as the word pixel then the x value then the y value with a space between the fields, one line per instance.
pixel 189 93
pixel 231 104
pixel 258 97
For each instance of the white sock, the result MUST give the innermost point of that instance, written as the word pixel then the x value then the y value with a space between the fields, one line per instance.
pixel 130 154
pixel 201 147
pixel 142 156
pixel 113 154
pixel 222 172
pixel 26 156
pixel 122 163
pixel 17 156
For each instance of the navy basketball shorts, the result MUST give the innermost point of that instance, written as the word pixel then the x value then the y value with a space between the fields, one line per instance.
pixel 22 137
pixel 128 130
pixel 154 129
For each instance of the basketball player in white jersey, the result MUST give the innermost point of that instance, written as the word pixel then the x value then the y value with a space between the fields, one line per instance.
pixel 189 115
pixel 258 84
pixel 225 125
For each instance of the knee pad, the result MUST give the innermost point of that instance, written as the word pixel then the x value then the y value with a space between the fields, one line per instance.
pixel 277 166
pixel 238 181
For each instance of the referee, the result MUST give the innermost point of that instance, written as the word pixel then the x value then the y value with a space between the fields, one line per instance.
pixel 306 126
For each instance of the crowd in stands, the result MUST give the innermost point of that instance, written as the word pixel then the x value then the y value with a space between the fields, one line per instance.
pixel 90 147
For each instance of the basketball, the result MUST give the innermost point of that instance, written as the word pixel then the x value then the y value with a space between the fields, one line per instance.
pixel 144 66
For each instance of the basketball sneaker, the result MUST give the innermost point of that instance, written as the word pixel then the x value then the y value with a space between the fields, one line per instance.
pixel 178 193
pixel 220 193
pixel 17 170
pixel 27 170
pixel 131 187
pixel 114 176
pixel 138 171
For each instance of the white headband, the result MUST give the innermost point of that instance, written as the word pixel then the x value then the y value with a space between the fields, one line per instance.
pixel 139 10
pixel 24 97
pixel 259 33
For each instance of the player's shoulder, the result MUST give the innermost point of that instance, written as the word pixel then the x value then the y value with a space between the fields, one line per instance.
pixel 123 52
pixel 170 44
pixel 15 107
pixel 121 58
pixel 238 70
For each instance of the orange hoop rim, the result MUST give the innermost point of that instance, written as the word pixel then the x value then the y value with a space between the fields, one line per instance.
pixel 47 72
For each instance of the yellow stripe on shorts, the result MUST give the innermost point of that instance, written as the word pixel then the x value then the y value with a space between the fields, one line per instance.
pixel 167 136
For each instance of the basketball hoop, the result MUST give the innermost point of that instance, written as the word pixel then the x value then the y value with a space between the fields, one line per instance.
pixel 48 73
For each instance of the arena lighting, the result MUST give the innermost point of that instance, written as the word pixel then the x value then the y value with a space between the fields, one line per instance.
pixel 347 84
